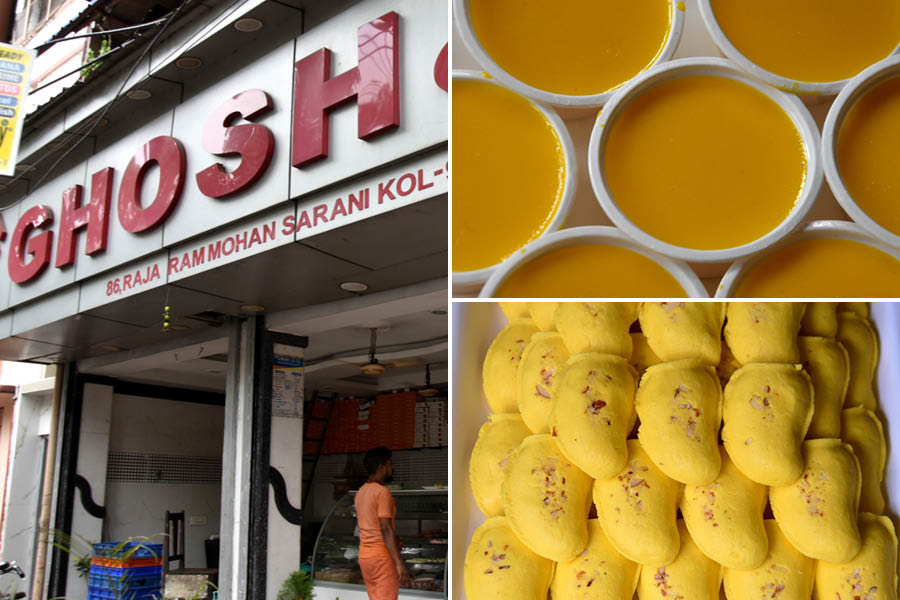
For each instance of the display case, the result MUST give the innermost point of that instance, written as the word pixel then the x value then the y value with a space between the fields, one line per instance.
pixel 422 526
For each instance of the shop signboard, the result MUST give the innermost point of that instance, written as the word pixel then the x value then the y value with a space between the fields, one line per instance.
pixel 245 145
pixel 15 73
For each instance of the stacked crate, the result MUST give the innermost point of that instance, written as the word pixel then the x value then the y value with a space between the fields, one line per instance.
pixel 396 420
pixel 431 424
pixel 437 423
pixel 125 571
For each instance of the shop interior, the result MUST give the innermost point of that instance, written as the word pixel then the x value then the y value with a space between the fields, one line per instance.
pixel 373 375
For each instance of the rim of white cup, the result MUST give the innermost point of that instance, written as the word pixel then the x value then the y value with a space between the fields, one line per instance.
pixel 842 230
pixel 856 89
pixel 596 234
pixel 479 276
pixel 823 88
pixel 790 104
pixel 473 45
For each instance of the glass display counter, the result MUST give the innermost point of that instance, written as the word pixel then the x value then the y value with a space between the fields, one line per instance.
pixel 421 523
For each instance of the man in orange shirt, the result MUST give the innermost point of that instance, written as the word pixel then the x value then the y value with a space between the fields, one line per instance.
pixel 382 567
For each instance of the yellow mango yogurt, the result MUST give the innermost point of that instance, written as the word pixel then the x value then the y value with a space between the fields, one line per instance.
pixel 571 52
pixel 697 161
pixel 826 259
pixel 859 149
pixel 591 262
pixel 513 164
pixel 806 46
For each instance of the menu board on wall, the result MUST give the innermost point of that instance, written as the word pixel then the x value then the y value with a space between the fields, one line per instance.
pixel 287 386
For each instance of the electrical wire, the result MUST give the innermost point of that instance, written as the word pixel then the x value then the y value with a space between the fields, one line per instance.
pixel 91 124
pixel 81 67
pixel 52 42
pixel 131 71
pixel 96 121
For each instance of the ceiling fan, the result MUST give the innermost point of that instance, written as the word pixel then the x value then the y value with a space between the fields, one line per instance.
pixel 428 391
pixel 373 368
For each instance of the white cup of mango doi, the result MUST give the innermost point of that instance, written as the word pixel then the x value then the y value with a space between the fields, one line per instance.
pixel 571 53
pixel 698 161
pixel 809 47
pixel 591 262
pixel 861 150
pixel 514 175
pixel 824 259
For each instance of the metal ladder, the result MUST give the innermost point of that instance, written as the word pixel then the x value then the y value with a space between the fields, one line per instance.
pixel 313 459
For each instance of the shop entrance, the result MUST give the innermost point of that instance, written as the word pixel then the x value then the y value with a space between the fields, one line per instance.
pixel 150 460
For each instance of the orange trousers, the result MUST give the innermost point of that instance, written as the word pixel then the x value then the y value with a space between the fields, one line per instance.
pixel 380 575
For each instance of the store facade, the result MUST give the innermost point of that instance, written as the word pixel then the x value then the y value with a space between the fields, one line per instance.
pixel 225 214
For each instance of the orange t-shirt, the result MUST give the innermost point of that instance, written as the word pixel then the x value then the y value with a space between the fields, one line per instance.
pixel 373 502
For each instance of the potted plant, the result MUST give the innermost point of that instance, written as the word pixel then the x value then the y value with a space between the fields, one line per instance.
pixel 298 586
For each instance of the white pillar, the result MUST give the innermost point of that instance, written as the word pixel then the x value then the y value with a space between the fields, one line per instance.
pixel 286 451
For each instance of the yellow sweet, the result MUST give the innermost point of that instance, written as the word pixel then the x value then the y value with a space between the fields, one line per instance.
pixel 596 326
pixel 593 412
pixel 822 268
pixel 502 362
pixel 677 330
pixel 498 438
pixel 591 270
pixel 544 314
pixel 642 355
pixel 504 149
pixel 820 319
pixel 828 366
pixel 691 575
pixel 546 499
pixel 697 134
pixel 680 409
pixel 725 517
pixel 871 574
pixel 863 150
pixel 862 429
pixel 817 513
pixel 860 309
pixel 764 332
pixel 858 337
pixel 811 40
pixel 499 567
pixel 637 510
pixel 515 310
pixel 767 412
pixel 598 573
pixel 578 50
pixel 541 362
pixel 785 574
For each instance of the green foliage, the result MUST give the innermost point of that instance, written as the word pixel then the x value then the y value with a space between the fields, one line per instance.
pixel 105 46
pixel 78 548
pixel 298 586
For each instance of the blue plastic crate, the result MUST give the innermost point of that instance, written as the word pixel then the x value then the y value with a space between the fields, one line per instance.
pixel 111 578
pixel 95 593
pixel 128 550
pixel 128 583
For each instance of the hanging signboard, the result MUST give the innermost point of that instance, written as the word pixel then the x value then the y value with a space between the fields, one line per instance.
pixel 15 71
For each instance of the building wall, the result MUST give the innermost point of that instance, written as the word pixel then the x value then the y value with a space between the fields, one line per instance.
pixel 145 432
pixel 7 410
pixel 25 482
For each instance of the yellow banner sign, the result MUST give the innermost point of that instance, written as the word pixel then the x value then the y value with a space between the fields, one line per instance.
pixel 15 70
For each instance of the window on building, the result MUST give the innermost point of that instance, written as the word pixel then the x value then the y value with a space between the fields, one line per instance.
pixel 30 15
